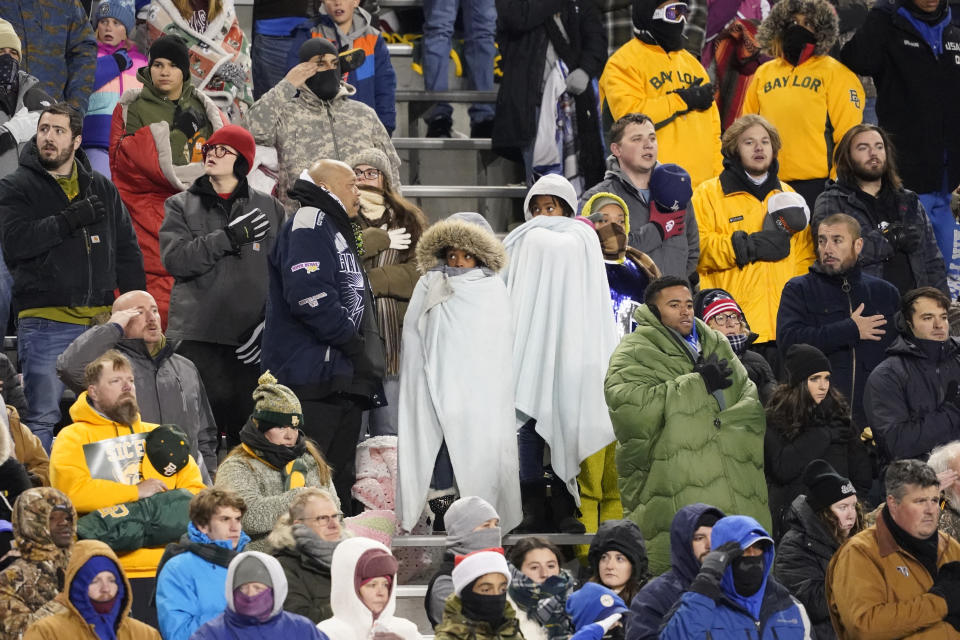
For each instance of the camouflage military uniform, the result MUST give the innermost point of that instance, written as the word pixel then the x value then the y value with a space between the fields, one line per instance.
pixel 58 46
pixel 456 626
pixel 949 520
pixel 36 577
pixel 303 129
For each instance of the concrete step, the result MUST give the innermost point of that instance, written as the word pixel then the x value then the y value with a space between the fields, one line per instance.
pixel 463 191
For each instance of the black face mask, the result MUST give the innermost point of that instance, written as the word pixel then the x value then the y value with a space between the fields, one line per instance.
pixel 669 35
pixel 747 574
pixel 9 78
pixel 325 84
pixel 795 38
pixel 483 608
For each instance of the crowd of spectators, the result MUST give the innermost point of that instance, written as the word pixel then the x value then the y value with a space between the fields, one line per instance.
pixel 716 347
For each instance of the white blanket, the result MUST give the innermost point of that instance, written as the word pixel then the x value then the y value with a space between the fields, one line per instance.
pixel 564 337
pixel 456 384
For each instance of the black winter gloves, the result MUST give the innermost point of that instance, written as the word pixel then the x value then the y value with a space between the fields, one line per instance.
pixel 903 237
pixel 947 586
pixel 697 97
pixel 715 373
pixel 82 213
pixel 249 228
pixel 714 564
pixel 122 59
pixel 188 121
pixel 762 246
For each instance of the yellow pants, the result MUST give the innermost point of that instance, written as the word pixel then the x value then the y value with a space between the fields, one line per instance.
pixel 599 493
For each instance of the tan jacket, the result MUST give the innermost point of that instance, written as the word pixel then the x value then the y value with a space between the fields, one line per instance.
pixel 876 590
pixel 28 449
pixel 70 624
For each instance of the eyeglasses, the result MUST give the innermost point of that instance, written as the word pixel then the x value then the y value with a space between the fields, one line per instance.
pixel 323 521
pixel 728 318
pixel 369 174
pixel 216 150
pixel 676 12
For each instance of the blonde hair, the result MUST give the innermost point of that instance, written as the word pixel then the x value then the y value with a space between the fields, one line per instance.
pixel 186 10
pixel 730 138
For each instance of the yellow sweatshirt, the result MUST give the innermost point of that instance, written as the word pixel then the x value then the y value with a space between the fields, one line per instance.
pixel 95 440
pixel 641 78
pixel 812 106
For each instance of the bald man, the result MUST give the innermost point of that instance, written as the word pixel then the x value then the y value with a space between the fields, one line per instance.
pixel 321 337
pixel 168 387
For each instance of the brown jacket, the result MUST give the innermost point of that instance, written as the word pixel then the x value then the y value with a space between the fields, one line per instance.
pixel 28 449
pixel 70 624
pixel 876 590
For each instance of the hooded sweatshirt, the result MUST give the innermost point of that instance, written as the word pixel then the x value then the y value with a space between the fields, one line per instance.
pixel 79 621
pixel 36 577
pixel 552 185
pixel 769 614
pixel 352 620
pixel 660 594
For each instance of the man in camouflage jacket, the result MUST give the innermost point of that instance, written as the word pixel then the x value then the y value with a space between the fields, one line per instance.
pixel 44 528
pixel 304 127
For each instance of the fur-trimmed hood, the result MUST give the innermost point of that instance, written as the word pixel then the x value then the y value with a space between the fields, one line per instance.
pixel 470 236
pixel 820 15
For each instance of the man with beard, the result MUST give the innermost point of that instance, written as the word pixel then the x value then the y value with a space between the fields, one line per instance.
pixel 321 336
pixel 911 399
pixel 733 595
pixel 841 310
pixel 69 243
pixel 899 578
pixel 96 461
pixel 169 387
pixel 653 74
pixel 898 241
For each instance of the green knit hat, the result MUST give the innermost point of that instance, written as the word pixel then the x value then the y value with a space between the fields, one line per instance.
pixel 276 405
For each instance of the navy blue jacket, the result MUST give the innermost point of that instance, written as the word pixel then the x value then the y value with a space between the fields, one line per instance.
pixel 657 596
pixel 769 614
pixel 926 263
pixel 905 397
pixel 815 309
pixel 320 335
pixel 230 625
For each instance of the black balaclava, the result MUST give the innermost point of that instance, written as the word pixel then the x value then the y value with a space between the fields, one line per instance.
pixel 9 83
pixel 324 84
pixel 668 35
pixel 794 41
pixel 483 608
pixel 748 574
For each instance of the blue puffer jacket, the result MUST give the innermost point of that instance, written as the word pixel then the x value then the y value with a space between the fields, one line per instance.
pixel 190 588
pixel 769 614
pixel 657 596
pixel 321 335
pixel 815 309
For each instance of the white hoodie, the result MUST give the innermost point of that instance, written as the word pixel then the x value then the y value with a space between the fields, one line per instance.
pixel 351 619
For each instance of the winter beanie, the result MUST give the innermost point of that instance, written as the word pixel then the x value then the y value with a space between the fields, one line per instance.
pixel 376 159
pixel 466 514
pixel 119 10
pixel 803 361
pixel 788 212
pixel 8 37
pixel 173 49
pixel 374 563
pixel 716 301
pixel 468 568
pixel 276 405
pixel 670 188
pixel 167 450
pixel 251 569
pixel 824 485
pixel 237 137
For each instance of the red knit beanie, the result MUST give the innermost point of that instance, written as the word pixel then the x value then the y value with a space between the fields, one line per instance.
pixel 237 137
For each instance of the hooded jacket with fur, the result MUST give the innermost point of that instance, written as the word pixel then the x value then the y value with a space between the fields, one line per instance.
pixel 308 577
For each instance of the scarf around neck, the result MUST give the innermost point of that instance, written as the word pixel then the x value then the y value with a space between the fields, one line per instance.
pixel 318 550
pixel 287 460
pixel 923 549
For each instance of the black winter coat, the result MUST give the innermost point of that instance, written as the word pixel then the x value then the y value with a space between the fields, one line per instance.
pixel 51 265
pixel 926 263
pixel 784 460
pixel 904 397
pixel 801 564
pixel 760 373
pixel 917 93
pixel 815 309
pixel 524 27
pixel 308 584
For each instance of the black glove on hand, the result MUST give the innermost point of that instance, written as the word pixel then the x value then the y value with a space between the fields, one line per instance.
pixel 840 431
pixel 762 246
pixel 188 121
pixel 249 228
pixel 947 586
pixel 123 59
pixel 714 565
pixel 715 373
pixel 903 237
pixel 82 213
pixel 697 97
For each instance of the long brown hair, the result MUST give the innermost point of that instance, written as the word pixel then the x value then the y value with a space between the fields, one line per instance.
pixel 323 469
pixel 830 521
pixel 186 9
pixel 400 213
pixel 791 408
pixel 841 156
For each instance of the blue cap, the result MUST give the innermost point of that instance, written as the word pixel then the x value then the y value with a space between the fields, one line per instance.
pixel 670 187
pixel 593 602
pixel 119 10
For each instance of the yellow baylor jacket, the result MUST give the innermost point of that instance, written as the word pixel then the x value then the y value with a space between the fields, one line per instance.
pixel 643 78
pixel 812 105
pixel 722 206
